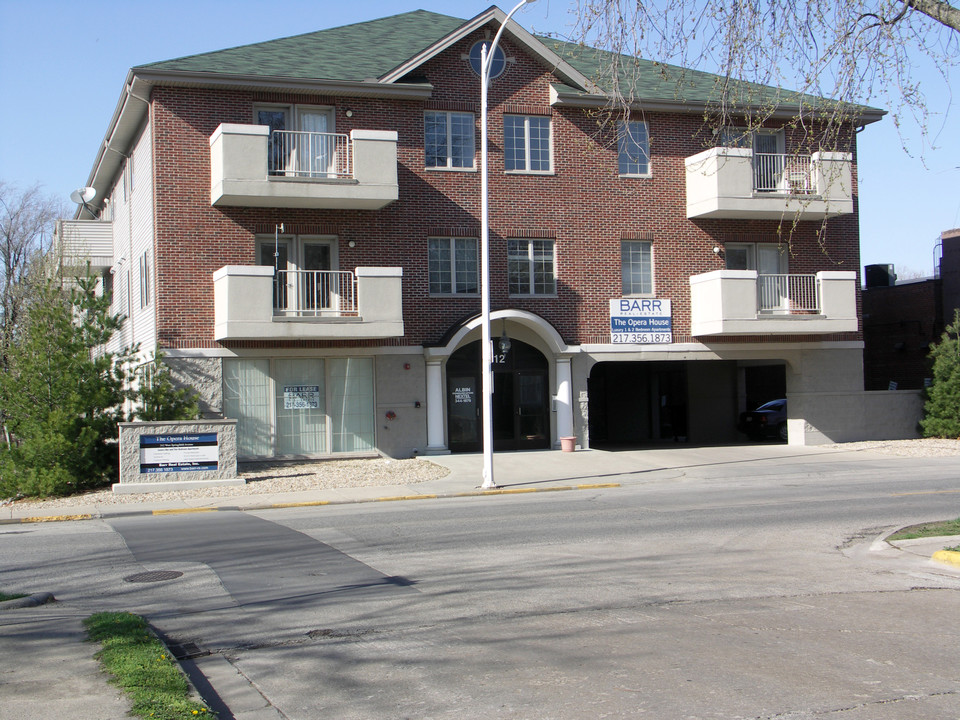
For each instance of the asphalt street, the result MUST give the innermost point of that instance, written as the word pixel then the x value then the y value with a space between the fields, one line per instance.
pixel 727 589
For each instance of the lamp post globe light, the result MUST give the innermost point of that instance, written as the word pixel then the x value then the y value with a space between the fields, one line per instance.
pixel 487 55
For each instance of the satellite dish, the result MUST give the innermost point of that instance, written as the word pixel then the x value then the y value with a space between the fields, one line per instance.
pixel 81 196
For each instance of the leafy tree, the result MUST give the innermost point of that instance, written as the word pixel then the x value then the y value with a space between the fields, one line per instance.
pixel 942 409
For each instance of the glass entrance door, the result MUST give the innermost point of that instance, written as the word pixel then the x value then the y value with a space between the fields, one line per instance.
pixel 315 150
pixel 521 399
pixel 463 413
pixel 317 291
pixel 532 400
pixel 771 273
pixel 277 255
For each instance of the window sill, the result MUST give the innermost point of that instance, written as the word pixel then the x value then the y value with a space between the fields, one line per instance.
pixel 534 295
pixel 450 169
pixel 648 176
pixel 448 296
pixel 529 172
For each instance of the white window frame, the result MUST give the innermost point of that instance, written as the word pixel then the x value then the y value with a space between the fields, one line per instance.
pixel 296 254
pixel 528 286
pixel 625 135
pixel 293 117
pixel 448 125
pixel 293 113
pixel 626 264
pixel 526 169
pixel 452 289
pixel 741 137
pixel 752 251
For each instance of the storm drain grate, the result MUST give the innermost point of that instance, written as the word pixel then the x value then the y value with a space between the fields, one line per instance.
pixel 186 650
pixel 153 576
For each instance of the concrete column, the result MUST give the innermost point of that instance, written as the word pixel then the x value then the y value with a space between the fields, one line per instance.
pixel 564 398
pixel 435 443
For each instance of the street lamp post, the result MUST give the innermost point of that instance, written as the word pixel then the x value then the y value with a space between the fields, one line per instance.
pixel 486 343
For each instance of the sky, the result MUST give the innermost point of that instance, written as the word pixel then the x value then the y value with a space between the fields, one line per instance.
pixel 78 53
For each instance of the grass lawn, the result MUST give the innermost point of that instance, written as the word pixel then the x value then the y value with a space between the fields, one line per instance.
pixel 930 529
pixel 141 665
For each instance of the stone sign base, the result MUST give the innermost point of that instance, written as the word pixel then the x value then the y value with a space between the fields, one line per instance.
pixel 177 455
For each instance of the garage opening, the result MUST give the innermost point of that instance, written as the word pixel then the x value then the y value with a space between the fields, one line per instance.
pixel 633 404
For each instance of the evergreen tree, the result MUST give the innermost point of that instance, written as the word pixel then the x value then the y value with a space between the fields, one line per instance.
pixel 942 409
pixel 63 395
pixel 158 397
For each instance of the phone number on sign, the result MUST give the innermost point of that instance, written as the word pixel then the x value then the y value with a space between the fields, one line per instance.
pixel 646 338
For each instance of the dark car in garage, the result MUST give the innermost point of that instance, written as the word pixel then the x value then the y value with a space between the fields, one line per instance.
pixel 767 421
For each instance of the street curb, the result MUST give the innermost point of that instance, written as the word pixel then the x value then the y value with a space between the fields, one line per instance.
pixel 30 601
pixel 305 503
pixel 950 557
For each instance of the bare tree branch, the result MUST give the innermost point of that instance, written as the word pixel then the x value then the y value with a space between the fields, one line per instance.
pixel 942 12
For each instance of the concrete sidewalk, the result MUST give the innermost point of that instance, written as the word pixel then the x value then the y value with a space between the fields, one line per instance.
pixel 514 472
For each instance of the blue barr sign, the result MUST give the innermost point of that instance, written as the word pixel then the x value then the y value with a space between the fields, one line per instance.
pixel 641 321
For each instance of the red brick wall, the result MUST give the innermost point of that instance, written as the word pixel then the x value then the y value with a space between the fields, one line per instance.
pixel 584 206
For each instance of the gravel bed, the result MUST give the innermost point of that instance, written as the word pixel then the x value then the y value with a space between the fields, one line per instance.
pixel 271 477
pixel 920 447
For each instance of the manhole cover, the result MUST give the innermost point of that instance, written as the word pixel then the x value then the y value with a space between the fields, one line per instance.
pixel 153 576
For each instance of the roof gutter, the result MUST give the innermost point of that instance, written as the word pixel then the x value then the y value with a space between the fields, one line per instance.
pixel 366 88
pixel 560 97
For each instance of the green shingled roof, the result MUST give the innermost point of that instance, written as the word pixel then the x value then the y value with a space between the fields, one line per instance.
pixel 650 80
pixel 351 53
pixel 362 51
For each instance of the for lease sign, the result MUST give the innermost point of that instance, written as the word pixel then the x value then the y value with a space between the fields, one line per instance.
pixel 641 321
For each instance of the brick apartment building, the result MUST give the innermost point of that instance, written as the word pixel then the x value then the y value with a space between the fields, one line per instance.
pixel 296 222
pixel 902 319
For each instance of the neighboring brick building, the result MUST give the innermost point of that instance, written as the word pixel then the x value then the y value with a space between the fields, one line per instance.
pixel 296 224
pixel 901 320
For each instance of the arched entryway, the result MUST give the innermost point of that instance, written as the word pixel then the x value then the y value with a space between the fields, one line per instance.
pixel 521 399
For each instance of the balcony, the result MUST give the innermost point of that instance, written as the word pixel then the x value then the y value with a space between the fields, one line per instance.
pixel 251 304
pixel 736 183
pixel 252 167
pixel 85 241
pixel 741 302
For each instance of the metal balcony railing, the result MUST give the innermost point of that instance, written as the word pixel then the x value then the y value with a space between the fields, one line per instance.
pixel 787 294
pixel 314 293
pixel 293 153
pixel 776 172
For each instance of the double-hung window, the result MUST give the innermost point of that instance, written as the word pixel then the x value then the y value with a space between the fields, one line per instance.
pixel 633 145
pixel 145 273
pixel 636 266
pixel 453 266
pixel 526 143
pixel 448 139
pixel 530 266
